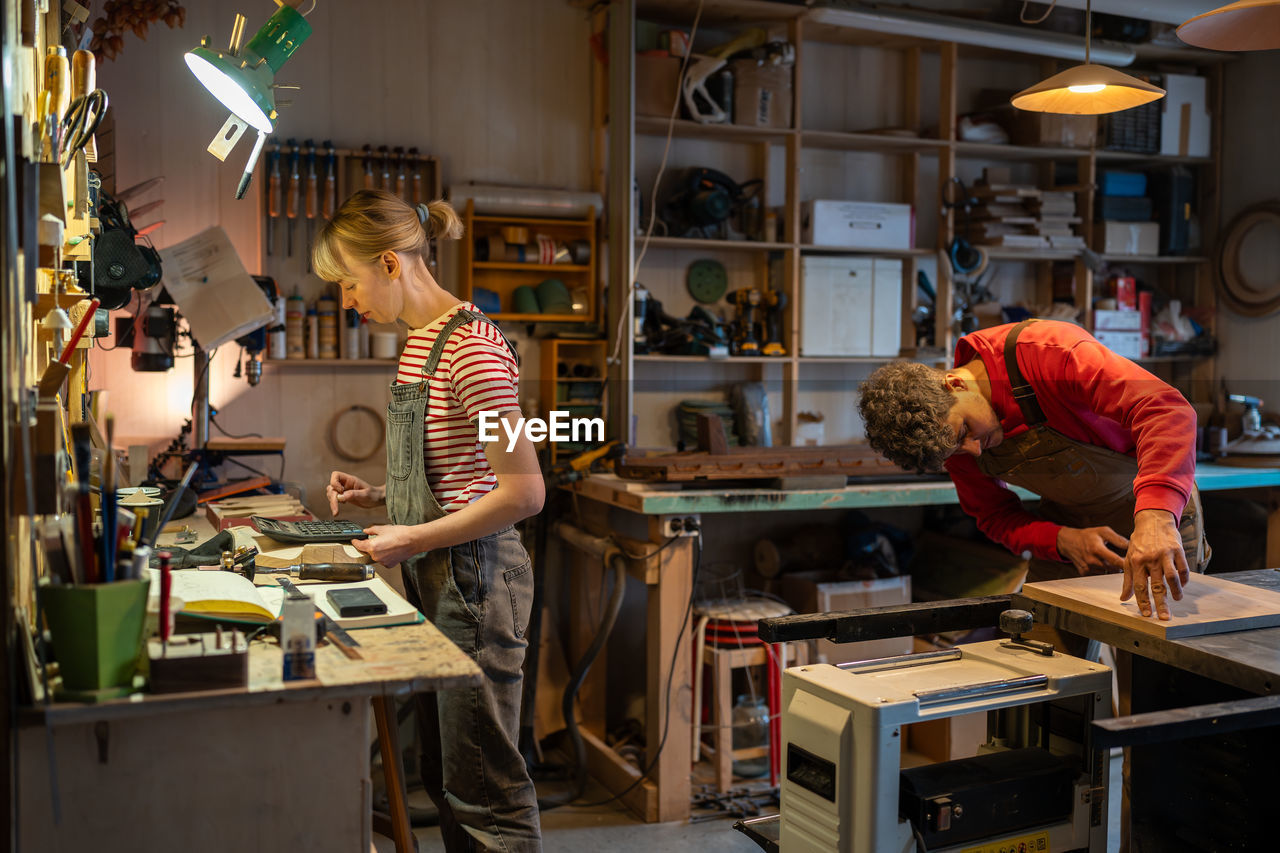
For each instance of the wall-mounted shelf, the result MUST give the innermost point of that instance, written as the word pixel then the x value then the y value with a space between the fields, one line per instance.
pixel 340 363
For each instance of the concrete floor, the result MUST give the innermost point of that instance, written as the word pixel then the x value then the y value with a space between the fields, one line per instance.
pixel 618 831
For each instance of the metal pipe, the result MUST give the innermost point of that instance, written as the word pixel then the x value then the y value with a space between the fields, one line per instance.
pixel 237 34
pixel 200 408
pixel 596 546
pixel 935 27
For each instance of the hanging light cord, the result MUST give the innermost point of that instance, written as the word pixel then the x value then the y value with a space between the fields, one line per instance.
pixel 1088 28
pixel 1040 20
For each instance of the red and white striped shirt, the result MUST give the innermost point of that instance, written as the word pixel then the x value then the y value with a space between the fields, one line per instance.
pixel 476 373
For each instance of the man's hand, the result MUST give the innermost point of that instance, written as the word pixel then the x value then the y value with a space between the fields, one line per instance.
pixel 1155 562
pixel 1086 549
pixel 349 489
pixel 390 544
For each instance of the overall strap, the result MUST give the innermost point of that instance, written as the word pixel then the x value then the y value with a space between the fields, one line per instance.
pixel 1022 391
pixel 459 319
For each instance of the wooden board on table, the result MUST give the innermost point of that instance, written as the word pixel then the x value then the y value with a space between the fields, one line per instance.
pixel 741 463
pixel 1209 605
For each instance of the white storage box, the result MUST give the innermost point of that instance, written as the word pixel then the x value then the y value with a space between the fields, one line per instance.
pixel 1184 120
pixel 857 224
pixel 850 306
pixel 1117 321
pixel 1127 344
pixel 1127 238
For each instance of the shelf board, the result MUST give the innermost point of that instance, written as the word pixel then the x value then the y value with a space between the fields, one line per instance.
pixel 706 359
pixel 578 403
pixel 861 359
pixel 514 265
pixel 999 151
pixel 331 362
pixel 1155 259
pixel 1000 253
pixel 1170 359
pixel 578 221
pixel 878 142
pixel 713 245
pixel 848 250
pixel 717 11
pixel 541 318
pixel 684 129
pixel 1129 157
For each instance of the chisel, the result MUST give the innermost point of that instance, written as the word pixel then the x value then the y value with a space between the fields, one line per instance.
pixel 275 195
pixel 332 572
pixel 293 199
pixel 415 167
pixel 401 178
pixel 330 202
pixel 313 197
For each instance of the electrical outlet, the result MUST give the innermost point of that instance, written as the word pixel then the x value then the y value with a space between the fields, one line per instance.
pixel 680 525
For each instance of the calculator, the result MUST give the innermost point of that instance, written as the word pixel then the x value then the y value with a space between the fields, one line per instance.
pixel 309 531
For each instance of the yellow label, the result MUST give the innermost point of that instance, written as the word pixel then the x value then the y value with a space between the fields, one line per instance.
pixel 1037 843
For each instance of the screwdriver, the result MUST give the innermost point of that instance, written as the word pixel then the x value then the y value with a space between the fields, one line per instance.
pixel 313 197
pixel 293 199
pixel 274 195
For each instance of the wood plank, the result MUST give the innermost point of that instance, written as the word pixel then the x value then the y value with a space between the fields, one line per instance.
pixel 1209 605
pixel 616 774
pixel 666 611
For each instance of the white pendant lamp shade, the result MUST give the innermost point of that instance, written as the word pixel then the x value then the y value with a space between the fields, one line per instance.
pixel 1087 90
pixel 1246 25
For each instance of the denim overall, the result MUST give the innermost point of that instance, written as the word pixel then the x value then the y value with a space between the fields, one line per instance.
pixel 479 595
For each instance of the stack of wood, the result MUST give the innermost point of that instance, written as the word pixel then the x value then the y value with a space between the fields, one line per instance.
pixel 1021 216
pixel 238 510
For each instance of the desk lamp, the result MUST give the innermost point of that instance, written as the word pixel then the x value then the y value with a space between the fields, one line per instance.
pixel 243 79
pixel 1087 89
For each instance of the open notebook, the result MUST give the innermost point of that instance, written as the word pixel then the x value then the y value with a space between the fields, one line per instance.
pixel 229 597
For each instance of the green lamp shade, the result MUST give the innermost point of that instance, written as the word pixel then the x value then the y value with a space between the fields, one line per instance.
pixel 243 83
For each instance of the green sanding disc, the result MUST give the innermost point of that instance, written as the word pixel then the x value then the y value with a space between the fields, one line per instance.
pixel 707 280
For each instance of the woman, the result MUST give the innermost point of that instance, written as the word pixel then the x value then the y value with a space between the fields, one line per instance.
pixel 452 502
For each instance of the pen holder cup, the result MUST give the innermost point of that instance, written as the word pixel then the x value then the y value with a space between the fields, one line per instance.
pixel 97 631
pixel 154 507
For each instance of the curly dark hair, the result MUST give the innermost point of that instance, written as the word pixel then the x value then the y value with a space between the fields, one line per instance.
pixel 904 406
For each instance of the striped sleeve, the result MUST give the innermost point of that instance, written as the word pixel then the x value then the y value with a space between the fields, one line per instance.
pixel 482 372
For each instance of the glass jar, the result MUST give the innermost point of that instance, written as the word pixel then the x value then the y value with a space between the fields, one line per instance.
pixel 751 729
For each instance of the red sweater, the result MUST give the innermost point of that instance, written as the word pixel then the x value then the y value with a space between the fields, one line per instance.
pixel 1087 393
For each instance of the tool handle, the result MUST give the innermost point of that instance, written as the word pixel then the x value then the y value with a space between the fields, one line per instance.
pixel 330 193
pixel 274 191
pixel 336 572
pixel 293 198
pixel 57 79
pixel 85 320
pixel 166 588
pixel 84 79
pixel 313 196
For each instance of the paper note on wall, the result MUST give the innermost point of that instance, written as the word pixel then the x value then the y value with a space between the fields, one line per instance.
pixel 212 289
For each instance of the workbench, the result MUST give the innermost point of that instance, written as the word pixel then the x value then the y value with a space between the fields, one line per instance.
pixel 668 576
pixel 274 766
pixel 1206 739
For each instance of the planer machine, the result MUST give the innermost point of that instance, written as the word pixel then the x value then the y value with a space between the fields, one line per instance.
pixel 1038 783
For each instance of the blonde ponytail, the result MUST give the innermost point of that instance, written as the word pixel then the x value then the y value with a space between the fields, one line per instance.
pixel 372 222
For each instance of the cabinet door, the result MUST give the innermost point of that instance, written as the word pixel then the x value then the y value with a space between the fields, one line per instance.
pixel 886 300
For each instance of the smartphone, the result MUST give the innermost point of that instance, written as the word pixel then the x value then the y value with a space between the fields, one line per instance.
pixel 360 601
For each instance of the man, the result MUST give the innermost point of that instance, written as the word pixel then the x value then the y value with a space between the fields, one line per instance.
pixel 1108 447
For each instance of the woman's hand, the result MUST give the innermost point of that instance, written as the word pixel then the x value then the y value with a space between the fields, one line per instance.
pixel 346 488
pixel 390 544
pixel 1155 562
pixel 1086 549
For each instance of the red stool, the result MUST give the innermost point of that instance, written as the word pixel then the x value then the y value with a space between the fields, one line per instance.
pixel 727 639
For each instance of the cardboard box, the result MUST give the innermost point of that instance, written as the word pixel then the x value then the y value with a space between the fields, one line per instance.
pixel 1126 344
pixel 850 306
pixel 1051 129
pixel 857 224
pixel 657 84
pixel 1127 238
pixel 1184 120
pixel 761 93
pixel 948 738
pixel 823 592
pixel 1117 321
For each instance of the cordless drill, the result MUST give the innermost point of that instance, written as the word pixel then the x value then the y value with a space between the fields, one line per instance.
pixel 772 303
pixel 745 339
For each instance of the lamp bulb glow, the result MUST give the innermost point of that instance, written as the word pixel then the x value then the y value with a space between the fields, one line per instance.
pixel 1087 89
pixel 229 92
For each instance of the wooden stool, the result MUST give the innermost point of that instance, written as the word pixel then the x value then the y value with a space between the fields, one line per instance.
pixel 726 639
pixel 395 825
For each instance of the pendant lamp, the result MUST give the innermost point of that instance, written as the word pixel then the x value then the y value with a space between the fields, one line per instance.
pixel 1246 25
pixel 1087 89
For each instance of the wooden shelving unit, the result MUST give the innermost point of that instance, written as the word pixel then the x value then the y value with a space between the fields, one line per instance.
pixel 572 379
pixel 918 159
pixel 503 277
